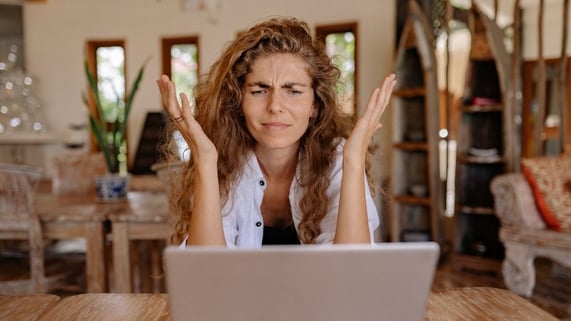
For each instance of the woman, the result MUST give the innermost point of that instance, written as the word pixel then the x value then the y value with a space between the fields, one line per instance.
pixel 274 159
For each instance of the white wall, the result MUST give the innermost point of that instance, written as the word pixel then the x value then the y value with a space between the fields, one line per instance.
pixel 56 31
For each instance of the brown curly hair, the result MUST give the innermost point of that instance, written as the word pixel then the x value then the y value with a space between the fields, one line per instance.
pixel 218 110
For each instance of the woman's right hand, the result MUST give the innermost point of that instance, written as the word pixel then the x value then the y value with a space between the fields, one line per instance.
pixel 202 149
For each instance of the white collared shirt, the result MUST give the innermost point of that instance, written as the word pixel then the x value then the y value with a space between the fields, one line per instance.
pixel 242 217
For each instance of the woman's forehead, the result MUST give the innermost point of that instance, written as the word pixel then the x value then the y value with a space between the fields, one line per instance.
pixel 285 68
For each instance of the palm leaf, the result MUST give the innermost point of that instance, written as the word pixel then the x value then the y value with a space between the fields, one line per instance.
pixel 110 139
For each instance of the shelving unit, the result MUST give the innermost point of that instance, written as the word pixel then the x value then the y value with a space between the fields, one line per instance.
pixel 416 186
pixel 483 149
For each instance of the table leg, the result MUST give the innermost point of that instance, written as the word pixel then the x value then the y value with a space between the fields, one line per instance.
pixel 121 257
pixel 95 258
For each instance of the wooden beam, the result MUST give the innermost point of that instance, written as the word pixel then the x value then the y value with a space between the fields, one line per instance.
pixel 563 112
pixel 540 116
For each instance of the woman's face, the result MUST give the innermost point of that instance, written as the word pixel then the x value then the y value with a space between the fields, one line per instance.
pixel 278 101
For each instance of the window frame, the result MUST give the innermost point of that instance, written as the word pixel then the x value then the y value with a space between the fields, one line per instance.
pixel 166 45
pixel 323 30
pixel 91 59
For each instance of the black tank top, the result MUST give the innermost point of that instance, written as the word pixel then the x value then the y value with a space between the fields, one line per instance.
pixel 280 235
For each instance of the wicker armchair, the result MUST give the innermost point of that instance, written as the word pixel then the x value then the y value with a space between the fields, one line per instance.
pixel 524 234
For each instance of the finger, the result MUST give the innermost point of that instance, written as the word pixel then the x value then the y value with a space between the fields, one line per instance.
pixel 386 92
pixel 368 113
pixel 162 83
pixel 173 107
pixel 383 97
pixel 186 111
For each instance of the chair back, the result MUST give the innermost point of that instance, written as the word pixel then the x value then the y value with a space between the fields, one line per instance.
pixel 74 173
pixel 18 185
pixel 19 221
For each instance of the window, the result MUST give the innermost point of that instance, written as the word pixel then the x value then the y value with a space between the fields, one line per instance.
pixel 341 44
pixel 106 60
pixel 180 63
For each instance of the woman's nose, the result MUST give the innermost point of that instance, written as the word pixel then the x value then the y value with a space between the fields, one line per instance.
pixel 275 103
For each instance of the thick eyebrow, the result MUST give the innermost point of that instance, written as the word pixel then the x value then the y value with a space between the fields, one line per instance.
pixel 262 84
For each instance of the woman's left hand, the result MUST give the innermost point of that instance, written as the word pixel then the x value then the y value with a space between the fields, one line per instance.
pixel 358 142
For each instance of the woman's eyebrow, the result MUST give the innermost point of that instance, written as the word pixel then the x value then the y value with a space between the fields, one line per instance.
pixel 258 84
pixel 294 84
pixel 290 84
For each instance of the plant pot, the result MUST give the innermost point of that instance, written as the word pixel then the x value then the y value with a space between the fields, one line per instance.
pixel 112 187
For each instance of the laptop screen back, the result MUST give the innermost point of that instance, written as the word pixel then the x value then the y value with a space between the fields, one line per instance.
pixel 386 281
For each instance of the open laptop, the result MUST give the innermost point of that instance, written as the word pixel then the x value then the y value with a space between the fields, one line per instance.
pixel 385 281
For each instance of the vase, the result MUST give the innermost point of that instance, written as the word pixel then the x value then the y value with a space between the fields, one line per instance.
pixel 112 187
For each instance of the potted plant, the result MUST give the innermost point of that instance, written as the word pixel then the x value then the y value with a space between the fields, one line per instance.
pixel 110 136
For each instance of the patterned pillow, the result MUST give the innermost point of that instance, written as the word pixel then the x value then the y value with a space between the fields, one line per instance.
pixel 548 178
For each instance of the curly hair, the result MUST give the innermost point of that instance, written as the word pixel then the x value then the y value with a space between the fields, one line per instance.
pixel 218 110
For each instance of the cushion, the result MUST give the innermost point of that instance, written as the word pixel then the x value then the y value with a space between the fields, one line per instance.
pixel 548 178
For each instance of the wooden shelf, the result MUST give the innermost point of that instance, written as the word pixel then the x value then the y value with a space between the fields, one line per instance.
pixel 471 159
pixel 476 210
pixel 484 145
pixel 410 92
pixel 415 160
pixel 411 146
pixel 413 200
pixel 483 108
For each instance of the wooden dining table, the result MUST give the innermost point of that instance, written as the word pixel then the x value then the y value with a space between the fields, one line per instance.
pixel 68 217
pixel 65 217
pixel 146 216
pixel 466 304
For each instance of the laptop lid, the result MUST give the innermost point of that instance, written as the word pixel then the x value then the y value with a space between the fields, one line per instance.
pixel 385 281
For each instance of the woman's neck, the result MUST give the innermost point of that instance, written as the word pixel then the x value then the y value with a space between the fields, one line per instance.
pixel 277 165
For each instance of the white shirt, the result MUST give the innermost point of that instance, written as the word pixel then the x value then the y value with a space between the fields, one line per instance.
pixel 242 217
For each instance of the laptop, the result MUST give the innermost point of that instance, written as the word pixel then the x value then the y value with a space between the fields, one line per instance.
pixel 384 281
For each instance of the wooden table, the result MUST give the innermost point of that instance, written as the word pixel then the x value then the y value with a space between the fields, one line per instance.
pixel 482 303
pixel 465 304
pixel 65 217
pixel 25 307
pixel 110 307
pixel 145 217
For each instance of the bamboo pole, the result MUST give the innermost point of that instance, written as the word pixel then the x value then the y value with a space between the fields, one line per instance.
pixel 540 116
pixel 563 112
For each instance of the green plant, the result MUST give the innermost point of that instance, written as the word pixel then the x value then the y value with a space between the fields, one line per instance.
pixel 110 136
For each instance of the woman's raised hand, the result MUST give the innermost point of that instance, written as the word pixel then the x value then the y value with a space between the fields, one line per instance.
pixel 358 142
pixel 202 149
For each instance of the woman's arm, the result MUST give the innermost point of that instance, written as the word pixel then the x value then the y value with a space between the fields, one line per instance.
pixel 352 223
pixel 205 226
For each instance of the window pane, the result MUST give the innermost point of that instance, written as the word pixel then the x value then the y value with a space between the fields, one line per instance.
pixel 184 67
pixel 341 47
pixel 111 80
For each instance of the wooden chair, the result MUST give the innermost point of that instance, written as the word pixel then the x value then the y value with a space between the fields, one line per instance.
pixel 74 173
pixel 19 221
